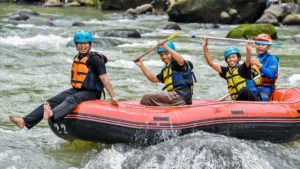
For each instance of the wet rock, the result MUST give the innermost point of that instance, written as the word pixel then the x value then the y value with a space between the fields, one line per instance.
pixel 124 5
pixel 250 31
pixel 295 39
pixel 52 3
pixel 72 4
pixel 292 19
pixel 225 18
pixel 131 11
pixel 233 12
pixel 38 22
pixel 18 17
pixel 268 19
pixel 172 26
pixel 78 23
pixel 130 14
pixel 144 9
pixel 210 11
pixel 275 14
pixel 278 11
pixel 201 26
pixel 27 12
pixel 121 33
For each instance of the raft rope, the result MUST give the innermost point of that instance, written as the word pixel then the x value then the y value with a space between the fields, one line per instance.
pixel 229 101
pixel 288 90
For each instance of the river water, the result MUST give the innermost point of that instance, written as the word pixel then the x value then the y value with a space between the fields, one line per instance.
pixel 35 65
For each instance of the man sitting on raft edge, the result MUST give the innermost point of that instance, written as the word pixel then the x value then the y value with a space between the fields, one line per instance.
pixel 88 78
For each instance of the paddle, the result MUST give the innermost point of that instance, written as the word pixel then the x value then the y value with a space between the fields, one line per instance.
pixel 239 40
pixel 174 35
pixel 224 97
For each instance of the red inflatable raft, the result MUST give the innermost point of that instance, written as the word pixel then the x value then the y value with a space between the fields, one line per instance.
pixel 277 120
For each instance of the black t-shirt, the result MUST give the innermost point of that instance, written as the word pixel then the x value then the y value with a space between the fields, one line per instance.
pixel 243 70
pixel 185 92
pixel 96 65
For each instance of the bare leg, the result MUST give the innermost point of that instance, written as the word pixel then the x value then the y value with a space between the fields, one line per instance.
pixel 47 111
pixel 18 121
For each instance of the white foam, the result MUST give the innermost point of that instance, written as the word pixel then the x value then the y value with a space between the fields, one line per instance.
pixel 122 64
pixel 294 77
pixel 40 41
pixel 36 27
pixel 131 65
pixel 95 21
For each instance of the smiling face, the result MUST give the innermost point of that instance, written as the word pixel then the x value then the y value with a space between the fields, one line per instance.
pixel 165 57
pixel 232 60
pixel 83 48
pixel 261 49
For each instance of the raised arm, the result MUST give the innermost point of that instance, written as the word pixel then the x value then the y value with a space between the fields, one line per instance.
pixel 208 58
pixel 150 76
pixel 175 55
pixel 248 53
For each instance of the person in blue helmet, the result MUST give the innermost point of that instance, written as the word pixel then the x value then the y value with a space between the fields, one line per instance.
pixel 242 79
pixel 176 75
pixel 268 65
pixel 88 78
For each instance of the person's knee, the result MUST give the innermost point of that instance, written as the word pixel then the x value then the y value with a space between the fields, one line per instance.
pixel 71 99
pixel 144 100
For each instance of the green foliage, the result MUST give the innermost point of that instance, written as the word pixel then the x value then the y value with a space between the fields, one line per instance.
pixel 289 1
pixel 94 2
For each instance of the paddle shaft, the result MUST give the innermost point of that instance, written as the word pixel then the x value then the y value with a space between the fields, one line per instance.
pixel 146 53
pixel 224 97
pixel 174 35
pixel 224 39
pixel 239 40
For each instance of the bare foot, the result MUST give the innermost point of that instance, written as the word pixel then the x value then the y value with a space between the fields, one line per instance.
pixel 47 111
pixel 18 121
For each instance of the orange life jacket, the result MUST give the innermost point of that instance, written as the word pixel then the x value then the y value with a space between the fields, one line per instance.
pixel 80 71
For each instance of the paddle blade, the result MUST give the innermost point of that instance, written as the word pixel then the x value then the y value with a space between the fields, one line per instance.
pixel 173 35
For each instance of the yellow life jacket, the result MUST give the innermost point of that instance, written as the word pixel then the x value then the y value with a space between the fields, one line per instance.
pixel 256 75
pixel 174 79
pixel 235 82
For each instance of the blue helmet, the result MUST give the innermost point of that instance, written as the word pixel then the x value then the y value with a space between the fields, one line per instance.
pixel 230 51
pixel 169 44
pixel 83 36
